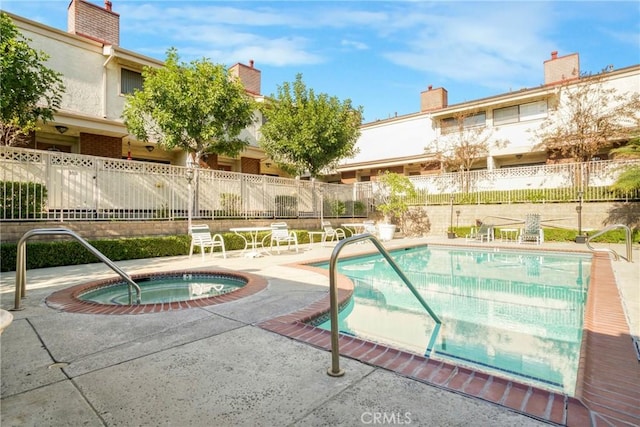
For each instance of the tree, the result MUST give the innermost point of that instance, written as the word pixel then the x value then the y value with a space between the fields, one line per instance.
pixel 31 92
pixel 588 118
pixel 463 141
pixel 392 195
pixel 197 107
pixel 305 132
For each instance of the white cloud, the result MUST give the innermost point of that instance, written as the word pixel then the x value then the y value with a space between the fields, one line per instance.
pixel 505 48
pixel 353 44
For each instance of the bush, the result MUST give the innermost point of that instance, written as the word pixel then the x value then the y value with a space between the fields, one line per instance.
pixel 41 254
pixel 231 204
pixel 68 252
pixel 286 205
pixel 22 199
pixel 337 207
pixel 355 208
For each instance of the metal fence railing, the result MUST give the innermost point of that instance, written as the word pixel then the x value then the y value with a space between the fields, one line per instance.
pixel 46 185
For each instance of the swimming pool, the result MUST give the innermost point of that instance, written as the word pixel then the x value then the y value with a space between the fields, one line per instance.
pixel 514 314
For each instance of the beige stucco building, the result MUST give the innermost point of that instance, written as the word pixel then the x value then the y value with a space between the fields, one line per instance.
pixel 405 144
pixel 97 73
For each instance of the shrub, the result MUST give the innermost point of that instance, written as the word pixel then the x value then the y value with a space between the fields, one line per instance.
pixel 286 205
pixel 355 208
pixel 41 254
pixel 22 199
pixel 230 203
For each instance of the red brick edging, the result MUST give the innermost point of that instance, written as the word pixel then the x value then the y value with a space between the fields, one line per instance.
pixel 67 299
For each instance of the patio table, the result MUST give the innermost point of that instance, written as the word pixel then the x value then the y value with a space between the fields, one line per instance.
pixel 252 242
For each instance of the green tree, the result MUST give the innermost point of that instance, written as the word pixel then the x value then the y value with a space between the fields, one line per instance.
pixel 197 107
pixel 392 195
pixel 30 91
pixel 588 118
pixel 305 132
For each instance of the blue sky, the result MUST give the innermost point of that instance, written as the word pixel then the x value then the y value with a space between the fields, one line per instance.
pixel 381 55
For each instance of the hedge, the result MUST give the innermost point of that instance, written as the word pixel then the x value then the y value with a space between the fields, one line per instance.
pixel 41 254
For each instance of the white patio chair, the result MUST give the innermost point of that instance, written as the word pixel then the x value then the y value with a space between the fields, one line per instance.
pixel 280 234
pixel 532 230
pixel 483 233
pixel 201 236
pixel 332 233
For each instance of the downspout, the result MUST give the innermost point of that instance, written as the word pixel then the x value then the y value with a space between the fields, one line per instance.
pixel 104 81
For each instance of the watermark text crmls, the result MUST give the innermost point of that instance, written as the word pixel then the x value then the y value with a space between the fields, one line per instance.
pixel 385 418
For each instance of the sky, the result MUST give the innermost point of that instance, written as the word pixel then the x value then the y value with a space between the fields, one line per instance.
pixel 379 54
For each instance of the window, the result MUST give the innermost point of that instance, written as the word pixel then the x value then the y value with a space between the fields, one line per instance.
pixel 452 124
pixel 518 113
pixel 503 116
pixel 448 125
pixel 478 119
pixel 129 81
pixel 533 110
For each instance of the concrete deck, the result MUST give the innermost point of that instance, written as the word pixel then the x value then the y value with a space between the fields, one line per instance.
pixel 215 366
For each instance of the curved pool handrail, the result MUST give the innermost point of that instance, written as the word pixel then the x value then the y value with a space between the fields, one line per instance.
pixel 335 370
pixel 627 232
pixel 21 262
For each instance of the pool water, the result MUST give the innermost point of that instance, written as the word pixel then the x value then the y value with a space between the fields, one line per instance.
pixel 166 289
pixel 511 313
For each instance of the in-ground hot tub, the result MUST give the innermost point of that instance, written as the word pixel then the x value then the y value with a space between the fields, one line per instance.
pixel 173 290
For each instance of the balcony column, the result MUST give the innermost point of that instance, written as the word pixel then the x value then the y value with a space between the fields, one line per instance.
pixel 491 164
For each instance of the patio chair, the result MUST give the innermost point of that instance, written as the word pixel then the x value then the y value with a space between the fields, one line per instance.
pixel 480 234
pixel 332 233
pixel 532 230
pixel 201 236
pixel 280 234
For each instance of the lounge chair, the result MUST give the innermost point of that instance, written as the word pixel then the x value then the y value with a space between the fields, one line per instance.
pixel 532 231
pixel 280 234
pixel 332 233
pixel 201 237
pixel 480 234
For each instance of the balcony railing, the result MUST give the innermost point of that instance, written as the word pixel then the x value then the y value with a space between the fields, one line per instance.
pixel 43 185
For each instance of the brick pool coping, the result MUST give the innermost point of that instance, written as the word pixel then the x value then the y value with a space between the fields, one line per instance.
pixel 67 299
pixel 608 385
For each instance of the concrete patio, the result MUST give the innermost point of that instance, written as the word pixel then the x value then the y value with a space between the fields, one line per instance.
pixel 214 366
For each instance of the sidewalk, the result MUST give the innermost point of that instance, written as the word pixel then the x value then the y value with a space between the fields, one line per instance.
pixel 213 366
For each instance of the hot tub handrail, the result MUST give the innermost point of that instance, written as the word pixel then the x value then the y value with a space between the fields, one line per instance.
pixel 21 262
pixel 627 237
pixel 335 370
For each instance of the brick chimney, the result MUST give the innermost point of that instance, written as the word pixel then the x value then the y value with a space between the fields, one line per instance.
pixel 561 69
pixel 433 99
pixel 248 75
pixel 94 22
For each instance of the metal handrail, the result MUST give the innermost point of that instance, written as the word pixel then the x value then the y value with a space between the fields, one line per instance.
pixel 335 370
pixel 21 262
pixel 627 233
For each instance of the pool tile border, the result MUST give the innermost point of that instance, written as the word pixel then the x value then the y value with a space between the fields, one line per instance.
pixel 67 299
pixel 592 406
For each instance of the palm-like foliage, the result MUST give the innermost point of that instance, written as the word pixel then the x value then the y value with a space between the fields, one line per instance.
pixel 629 180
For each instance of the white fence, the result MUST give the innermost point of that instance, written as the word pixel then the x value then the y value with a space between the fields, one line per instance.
pixel 43 185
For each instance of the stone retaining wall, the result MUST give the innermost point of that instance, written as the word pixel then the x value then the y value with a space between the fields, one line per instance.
pixel 563 215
